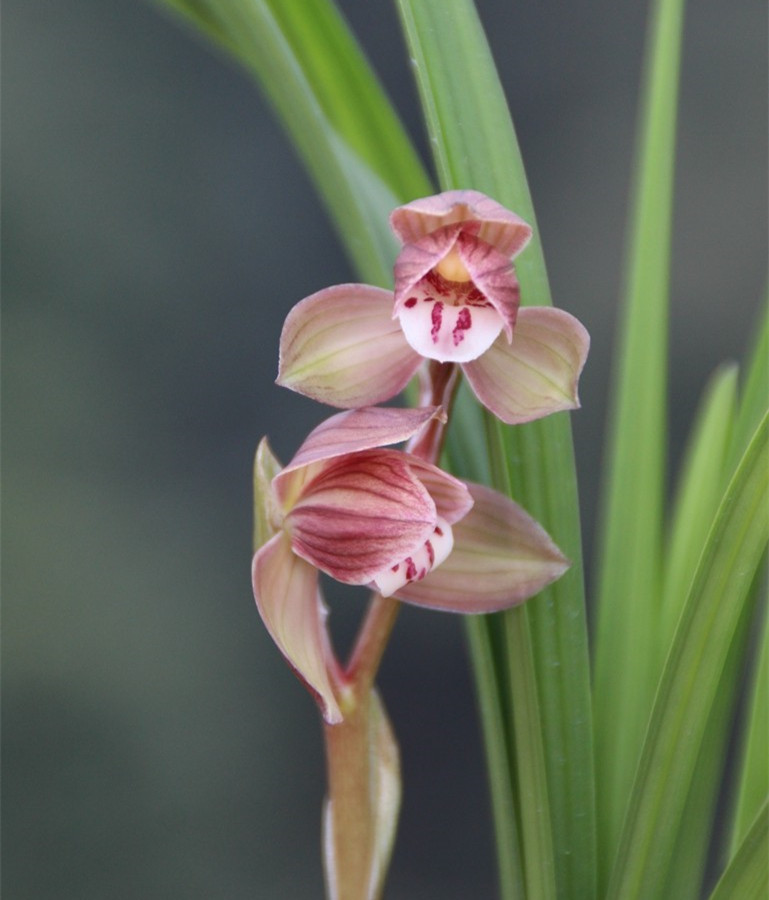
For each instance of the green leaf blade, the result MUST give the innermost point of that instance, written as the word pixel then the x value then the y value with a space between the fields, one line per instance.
pixel 333 110
pixel 474 145
pixel 747 875
pixel 690 683
pixel 753 786
pixel 703 475
pixel 629 566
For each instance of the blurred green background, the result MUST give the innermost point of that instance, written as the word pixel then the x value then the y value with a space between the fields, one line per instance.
pixel 157 228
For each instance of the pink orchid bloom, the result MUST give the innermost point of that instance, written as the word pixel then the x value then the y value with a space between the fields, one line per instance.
pixel 351 507
pixel 456 300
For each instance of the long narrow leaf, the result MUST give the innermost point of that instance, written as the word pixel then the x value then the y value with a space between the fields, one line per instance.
pixel 475 147
pixel 688 862
pixel 753 787
pixel 747 876
pixel 629 565
pixel 466 455
pixel 333 109
pixel 703 476
pixel 754 400
pixel 526 732
pixel 494 719
pixel 692 676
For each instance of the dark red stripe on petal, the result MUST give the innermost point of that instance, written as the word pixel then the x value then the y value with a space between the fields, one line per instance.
pixel 430 552
pixel 464 323
pixel 437 319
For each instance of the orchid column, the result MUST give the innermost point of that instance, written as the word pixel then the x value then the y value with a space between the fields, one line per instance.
pixel 352 507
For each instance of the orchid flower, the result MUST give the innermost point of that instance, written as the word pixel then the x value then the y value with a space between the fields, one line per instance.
pixel 456 300
pixel 352 507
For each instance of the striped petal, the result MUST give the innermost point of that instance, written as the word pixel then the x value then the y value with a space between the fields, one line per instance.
pixel 501 557
pixel 538 373
pixel 494 224
pixel 349 432
pixel 288 600
pixel 361 514
pixel 417 259
pixel 450 495
pixel 493 275
pixel 341 346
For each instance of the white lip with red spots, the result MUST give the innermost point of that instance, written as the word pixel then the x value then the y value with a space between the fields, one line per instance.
pixel 446 327
pixel 414 567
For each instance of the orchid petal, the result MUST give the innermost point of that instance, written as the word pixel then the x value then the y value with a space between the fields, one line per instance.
pixel 340 346
pixel 537 374
pixel 350 432
pixel 445 332
pixel 361 514
pixel 451 497
pixel 494 276
pixel 496 225
pixel 266 467
pixel 288 599
pixel 416 260
pixel 419 563
pixel 501 557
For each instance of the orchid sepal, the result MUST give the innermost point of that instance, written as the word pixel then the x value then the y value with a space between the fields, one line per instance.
pixel 536 375
pixel 266 467
pixel 490 220
pixel 501 557
pixel 288 599
pixel 341 346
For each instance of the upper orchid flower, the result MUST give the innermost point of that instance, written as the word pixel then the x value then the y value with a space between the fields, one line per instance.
pixel 365 514
pixel 456 300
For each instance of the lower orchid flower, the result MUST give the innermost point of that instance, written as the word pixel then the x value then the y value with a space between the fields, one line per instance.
pixel 456 300
pixel 352 507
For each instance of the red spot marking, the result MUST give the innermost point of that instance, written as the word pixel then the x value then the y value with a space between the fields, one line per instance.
pixel 422 573
pixel 437 319
pixel 395 568
pixel 412 301
pixel 430 553
pixel 411 569
pixel 464 322
pixel 438 531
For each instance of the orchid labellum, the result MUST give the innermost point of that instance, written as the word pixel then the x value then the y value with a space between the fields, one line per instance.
pixel 456 300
